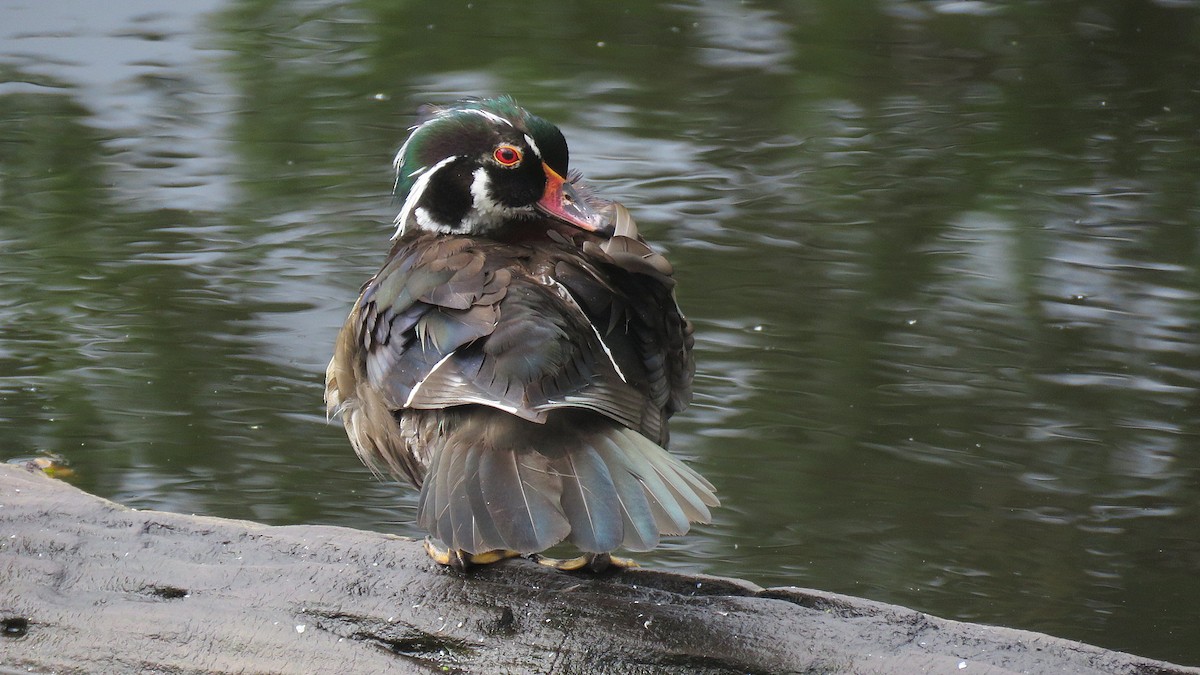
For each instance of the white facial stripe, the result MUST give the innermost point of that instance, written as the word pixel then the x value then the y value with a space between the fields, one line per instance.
pixel 418 172
pixel 412 131
pixel 425 221
pixel 486 213
pixel 529 140
pixel 489 116
pixel 414 195
pixel 398 160
pixel 480 194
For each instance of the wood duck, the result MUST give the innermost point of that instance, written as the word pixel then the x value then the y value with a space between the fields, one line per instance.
pixel 519 353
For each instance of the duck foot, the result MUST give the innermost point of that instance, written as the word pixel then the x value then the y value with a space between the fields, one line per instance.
pixel 592 562
pixel 462 560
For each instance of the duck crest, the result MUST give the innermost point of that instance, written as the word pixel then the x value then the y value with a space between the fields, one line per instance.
pixel 456 140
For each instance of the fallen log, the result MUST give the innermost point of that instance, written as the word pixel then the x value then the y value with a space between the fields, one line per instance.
pixel 87 585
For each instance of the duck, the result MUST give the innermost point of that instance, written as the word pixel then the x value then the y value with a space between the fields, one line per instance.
pixel 519 354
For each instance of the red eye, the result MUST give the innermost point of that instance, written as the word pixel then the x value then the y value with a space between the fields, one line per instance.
pixel 507 155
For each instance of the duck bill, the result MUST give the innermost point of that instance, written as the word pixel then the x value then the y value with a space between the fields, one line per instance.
pixel 562 202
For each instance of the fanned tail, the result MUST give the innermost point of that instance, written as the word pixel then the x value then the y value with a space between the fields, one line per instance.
pixel 496 481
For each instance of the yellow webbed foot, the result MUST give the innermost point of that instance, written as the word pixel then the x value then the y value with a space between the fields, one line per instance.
pixel 591 562
pixel 462 560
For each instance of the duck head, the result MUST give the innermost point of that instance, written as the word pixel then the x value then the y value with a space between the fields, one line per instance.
pixel 478 166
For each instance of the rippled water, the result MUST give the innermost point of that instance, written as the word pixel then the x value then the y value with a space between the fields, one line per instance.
pixel 942 259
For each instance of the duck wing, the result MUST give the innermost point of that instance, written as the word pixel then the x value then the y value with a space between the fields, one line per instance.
pixel 451 321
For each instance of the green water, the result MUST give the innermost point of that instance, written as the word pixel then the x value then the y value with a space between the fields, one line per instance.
pixel 942 257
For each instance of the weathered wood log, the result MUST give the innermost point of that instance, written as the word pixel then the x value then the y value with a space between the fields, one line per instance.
pixel 87 585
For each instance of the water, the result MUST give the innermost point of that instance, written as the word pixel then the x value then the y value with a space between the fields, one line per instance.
pixel 942 259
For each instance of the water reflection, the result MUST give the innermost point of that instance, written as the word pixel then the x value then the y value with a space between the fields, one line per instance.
pixel 941 258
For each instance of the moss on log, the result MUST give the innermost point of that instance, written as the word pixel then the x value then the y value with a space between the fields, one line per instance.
pixel 87 585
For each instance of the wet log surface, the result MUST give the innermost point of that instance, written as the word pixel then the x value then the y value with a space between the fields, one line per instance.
pixel 87 585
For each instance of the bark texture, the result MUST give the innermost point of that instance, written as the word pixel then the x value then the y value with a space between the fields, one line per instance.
pixel 89 586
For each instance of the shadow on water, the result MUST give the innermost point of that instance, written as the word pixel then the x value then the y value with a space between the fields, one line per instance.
pixel 942 260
